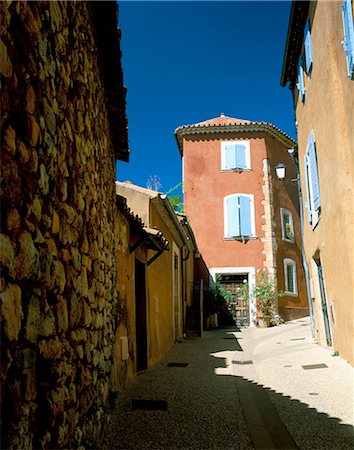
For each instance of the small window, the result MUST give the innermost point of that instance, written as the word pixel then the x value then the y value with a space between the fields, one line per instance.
pixel 287 225
pixel 300 80
pixel 290 276
pixel 313 199
pixel 235 155
pixel 348 41
pixel 239 216
pixel 308 48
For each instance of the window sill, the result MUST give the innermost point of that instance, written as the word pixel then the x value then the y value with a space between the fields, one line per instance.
pixel 240 238
pixel 290 294
pixel 238 170
pixel 288 240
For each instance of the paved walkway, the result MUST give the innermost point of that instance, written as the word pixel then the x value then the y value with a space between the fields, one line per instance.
pixel 228 393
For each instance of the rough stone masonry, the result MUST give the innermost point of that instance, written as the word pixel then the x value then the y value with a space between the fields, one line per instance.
pixel 58 272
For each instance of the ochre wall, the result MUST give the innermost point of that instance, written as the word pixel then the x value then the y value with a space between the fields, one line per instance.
pixel 328 111
pixel 58 298
pixel 205 187
pixel 160 287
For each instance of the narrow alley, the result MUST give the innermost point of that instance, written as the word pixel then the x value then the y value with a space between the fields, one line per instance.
pixel 236 390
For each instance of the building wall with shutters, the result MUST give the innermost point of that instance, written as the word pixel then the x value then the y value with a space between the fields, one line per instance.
pixel 328 113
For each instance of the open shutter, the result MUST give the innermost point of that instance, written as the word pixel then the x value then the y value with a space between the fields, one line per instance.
pixel 308 201
pixel 308 47
pixel 232 216
pixel 348 42
pixel 245 216
pixel 230 156
pixel 300 79
pixel 314 173
pixel 241 156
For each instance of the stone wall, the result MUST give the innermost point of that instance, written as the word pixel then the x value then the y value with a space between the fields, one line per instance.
pixel 58 298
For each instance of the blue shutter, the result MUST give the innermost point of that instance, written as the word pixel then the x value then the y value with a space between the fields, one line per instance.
pixel 241 156
pixel 348 42
pixel 230 156
pixel 232 216
pixel 301 83
pixel 308 47
pixel 314 173
pixel 245 216
pixel 309 207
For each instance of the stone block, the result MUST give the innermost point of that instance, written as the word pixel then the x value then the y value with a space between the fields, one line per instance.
pixel 7 253
pixel 11 311
pixel 27 260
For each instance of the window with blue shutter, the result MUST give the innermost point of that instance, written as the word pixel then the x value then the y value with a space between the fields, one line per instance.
pixel 348 42
pixel 232 213
pixel 312 182
pixel 238 216
pixel 235 155
pixel 308 47
pixel 314 172
pixel 300 80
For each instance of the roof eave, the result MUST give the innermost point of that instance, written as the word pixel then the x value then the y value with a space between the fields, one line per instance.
pixel 298 15
pixel 264 127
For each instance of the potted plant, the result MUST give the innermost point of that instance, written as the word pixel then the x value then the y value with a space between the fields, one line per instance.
pixel 266 294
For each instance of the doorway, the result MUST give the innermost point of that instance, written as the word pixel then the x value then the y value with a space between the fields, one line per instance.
pixel 233 282
pixel 327 325
pixel 140 316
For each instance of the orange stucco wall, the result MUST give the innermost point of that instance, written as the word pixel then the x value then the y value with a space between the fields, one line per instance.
pixel 328 111
pixel 205 187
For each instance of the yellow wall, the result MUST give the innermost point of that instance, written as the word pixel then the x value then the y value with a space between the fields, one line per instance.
pixel 328 111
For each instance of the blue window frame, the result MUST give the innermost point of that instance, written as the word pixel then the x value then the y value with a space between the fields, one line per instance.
pixel 308 47
pixel 239 215
pixel 348 42
pixel 300 80
pixel 312 182
pixel 235 155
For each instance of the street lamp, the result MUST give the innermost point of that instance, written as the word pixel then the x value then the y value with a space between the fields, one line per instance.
pixel 280 171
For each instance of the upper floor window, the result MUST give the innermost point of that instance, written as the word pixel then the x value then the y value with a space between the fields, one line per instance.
pixel 301 80
pixel 287 226
pixel 308 47
pixel 239 216
pixel 348 42
pixel 290 276
pixel 235 155
pixel 313 203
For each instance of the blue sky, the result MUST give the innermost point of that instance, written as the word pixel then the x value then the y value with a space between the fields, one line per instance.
pixel 185 62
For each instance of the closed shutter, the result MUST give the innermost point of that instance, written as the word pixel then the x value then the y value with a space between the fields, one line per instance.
pixel 314 173
pixel 348 42
pixel 240 156
pixel 308 200
pixel 308 47
pixel 245 216
pixel 232 216
pixel 301 82
pixel 230 156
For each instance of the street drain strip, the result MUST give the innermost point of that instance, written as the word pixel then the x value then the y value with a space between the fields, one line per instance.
pixel 297 339
pixel 314 366
pixel 150 405
pixel 247 361
pixel 229 338
pixel 313 393
pixel 177 364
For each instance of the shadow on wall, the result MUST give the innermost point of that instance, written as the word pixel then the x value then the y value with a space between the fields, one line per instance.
pixel 190 400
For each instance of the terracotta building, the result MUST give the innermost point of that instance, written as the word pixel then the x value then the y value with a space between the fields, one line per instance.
pixel 319 67
pixel 63 126
pixel 244 218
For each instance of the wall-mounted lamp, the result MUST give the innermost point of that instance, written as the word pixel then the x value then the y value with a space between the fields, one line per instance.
pixel 280 171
